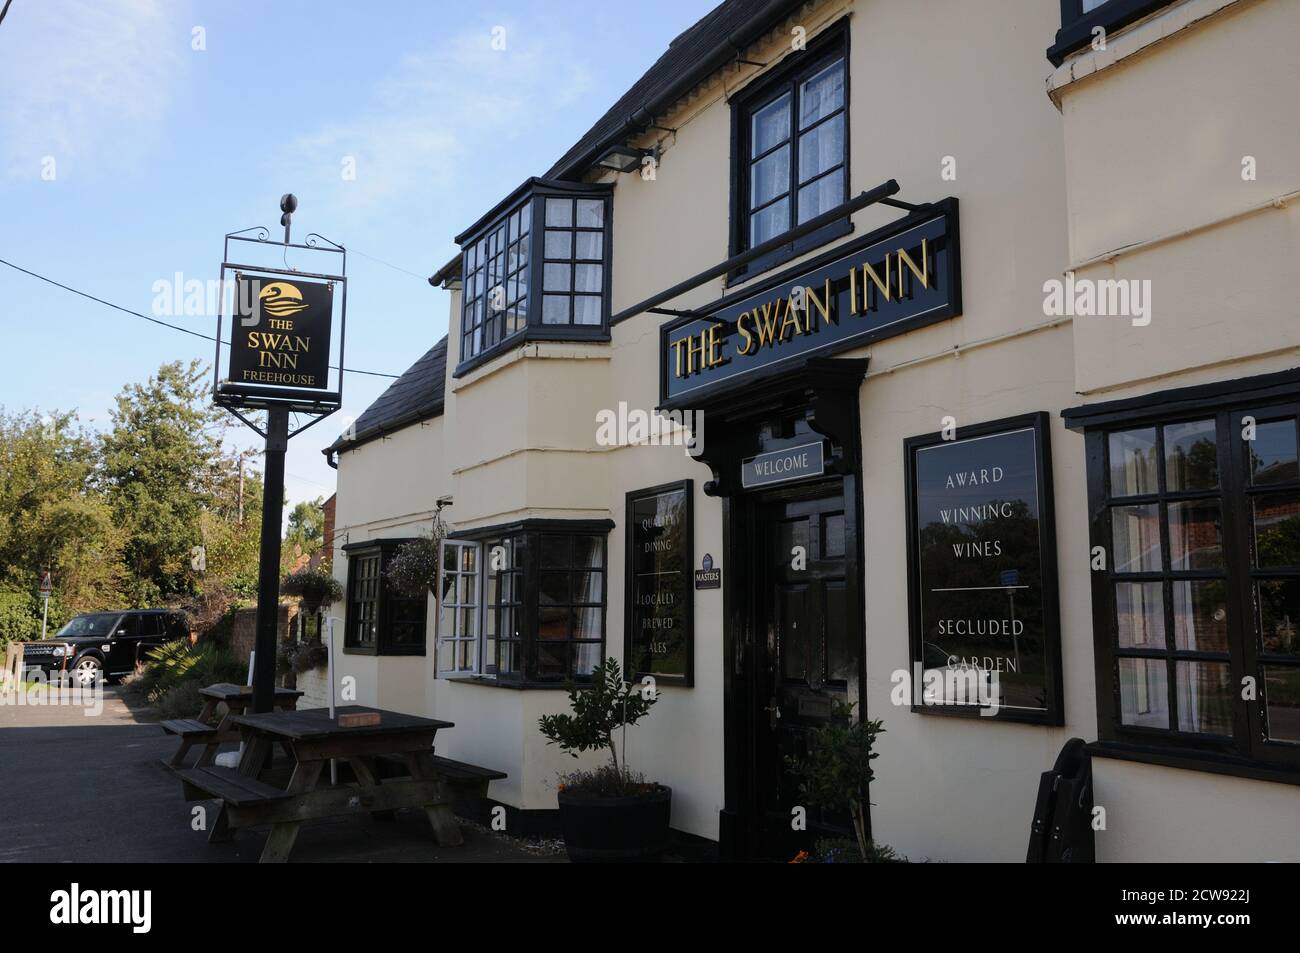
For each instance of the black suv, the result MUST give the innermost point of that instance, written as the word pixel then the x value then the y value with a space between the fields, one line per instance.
pixel 96 645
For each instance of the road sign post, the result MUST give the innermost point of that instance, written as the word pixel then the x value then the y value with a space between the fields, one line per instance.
pixel 47 586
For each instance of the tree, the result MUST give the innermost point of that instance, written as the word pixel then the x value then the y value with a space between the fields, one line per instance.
pixel 162 463
pixel 52 513
pixel 306 530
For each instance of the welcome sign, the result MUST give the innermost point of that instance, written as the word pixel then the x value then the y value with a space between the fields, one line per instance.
pixel 891 281
pixel 280 335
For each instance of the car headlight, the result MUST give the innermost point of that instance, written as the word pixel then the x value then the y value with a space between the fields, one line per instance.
pixel 62 650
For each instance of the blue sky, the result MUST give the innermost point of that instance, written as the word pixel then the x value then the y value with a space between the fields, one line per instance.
pixel 159 149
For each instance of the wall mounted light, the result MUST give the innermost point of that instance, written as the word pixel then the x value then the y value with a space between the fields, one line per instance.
pixel 623 158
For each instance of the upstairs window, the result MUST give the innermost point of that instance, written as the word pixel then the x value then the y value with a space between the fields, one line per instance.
pixel 791 164
pixel 536 269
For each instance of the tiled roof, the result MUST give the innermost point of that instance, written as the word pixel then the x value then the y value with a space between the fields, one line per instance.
pixel 416 395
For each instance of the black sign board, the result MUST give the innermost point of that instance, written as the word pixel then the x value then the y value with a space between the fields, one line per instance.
pixel 985 630
pixel 280 332
pixel 897 278
pixel 659 637
pixel 784 466
pixel 707 577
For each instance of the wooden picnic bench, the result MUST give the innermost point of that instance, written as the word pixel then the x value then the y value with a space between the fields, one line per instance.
pixel 207 730
pixel 249 797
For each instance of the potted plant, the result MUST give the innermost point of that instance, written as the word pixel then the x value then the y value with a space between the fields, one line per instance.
pixel 836 773
pixel 413 569
pixel 315 587
pixel 607 814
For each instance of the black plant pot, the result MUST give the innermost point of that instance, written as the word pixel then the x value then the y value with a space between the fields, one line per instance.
pixel 631 829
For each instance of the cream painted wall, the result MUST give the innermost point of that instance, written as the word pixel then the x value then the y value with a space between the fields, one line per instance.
pixel 1179 118
pixel 1155 140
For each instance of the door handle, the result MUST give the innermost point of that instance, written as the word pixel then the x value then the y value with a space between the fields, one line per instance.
pixel 773 712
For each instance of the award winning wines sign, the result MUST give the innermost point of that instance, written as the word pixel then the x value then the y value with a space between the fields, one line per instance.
pixel 660 609
pixel 982 572
pixel 280 335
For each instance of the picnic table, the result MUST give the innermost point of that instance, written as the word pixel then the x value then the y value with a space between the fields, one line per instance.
pixel 251 796
pixel 210 732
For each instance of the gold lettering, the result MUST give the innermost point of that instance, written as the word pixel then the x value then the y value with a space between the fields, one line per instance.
pixel 922 273
pixel 767 325
pixel 750 344
pixel 715 346
pixel 677 352
pixel 823 305
pixel 691 351
pixel 791 317
pixel 885 287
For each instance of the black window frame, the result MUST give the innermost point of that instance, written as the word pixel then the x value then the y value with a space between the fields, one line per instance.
pixel 1076 26
pixel 388 604
pixel 784 79
pixel 514 329
pixel 1247 751
pixel 525 604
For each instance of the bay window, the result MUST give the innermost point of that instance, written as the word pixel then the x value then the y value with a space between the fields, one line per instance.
pixel 524 604
pixel 536 268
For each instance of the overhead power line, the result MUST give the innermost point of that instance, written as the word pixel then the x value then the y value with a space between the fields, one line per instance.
pixel 166 324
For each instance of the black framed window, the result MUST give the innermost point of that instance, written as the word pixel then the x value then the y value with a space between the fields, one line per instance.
pixel 380 620
pixel 363 601
pixel 1081 19
pixel 791 151
pixel 541 617
pixel 1197 611
pixel 537 268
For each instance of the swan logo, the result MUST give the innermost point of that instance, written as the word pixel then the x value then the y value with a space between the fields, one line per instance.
pixel 280 299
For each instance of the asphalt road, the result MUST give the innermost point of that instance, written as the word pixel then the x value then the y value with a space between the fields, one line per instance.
pixel 88 788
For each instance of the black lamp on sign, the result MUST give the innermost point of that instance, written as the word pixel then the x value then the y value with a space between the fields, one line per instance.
pixel 623 158
pixel 288 205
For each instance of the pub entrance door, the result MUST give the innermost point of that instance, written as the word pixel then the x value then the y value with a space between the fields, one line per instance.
pixel 808 652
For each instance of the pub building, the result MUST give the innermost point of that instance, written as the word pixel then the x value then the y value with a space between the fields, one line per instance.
pixel 938 360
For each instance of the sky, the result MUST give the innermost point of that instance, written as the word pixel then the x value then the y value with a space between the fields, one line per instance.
pixel 134 134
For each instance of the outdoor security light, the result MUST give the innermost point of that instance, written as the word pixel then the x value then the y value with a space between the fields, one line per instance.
pixel 622 158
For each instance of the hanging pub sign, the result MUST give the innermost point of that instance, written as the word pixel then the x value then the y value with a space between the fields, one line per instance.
pixel 985 631
pixel 280 332
pixel 890 281
pixel 660 601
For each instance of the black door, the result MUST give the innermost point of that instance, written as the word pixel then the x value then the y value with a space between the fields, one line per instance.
pixel 809 653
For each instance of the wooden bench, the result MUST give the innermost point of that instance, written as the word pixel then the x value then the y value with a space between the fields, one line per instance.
pixel 191 732
pixel 212 731
pixel 228 785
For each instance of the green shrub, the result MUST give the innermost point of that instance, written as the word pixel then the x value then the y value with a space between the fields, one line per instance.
pixel 183 701
pixel 178 663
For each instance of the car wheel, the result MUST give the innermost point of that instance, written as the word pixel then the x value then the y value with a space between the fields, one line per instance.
pixel 87 670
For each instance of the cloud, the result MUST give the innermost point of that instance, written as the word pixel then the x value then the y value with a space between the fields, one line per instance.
pixel 437 109
pixel 85 82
